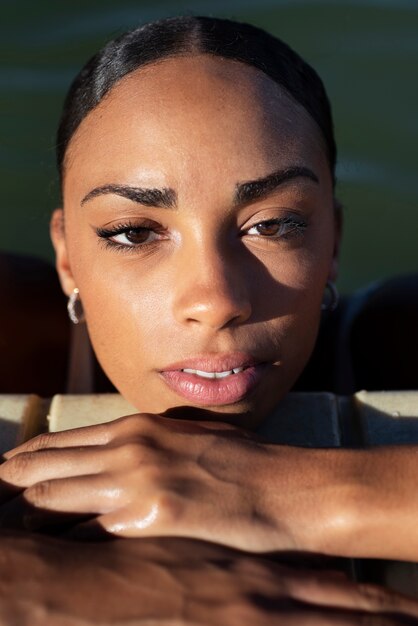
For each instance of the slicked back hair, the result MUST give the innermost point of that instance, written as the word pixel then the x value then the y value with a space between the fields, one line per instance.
pixel 180 36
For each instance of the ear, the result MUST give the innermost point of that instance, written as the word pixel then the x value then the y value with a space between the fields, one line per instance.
pixel 57 232
pixel 338 230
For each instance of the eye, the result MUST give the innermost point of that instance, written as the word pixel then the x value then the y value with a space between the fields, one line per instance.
pixel 134 237
pixel 277 228
pixel 130 236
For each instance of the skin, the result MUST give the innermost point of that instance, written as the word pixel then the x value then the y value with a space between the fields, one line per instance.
pixel 177 582
pixel 210 283
pixel 202 139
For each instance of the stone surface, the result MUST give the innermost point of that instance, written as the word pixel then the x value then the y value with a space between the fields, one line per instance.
pixel 21 417
pixel 73 411
pixel 387 417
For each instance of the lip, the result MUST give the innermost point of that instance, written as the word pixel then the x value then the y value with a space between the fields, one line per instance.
pixel 215 391
pixel 215 363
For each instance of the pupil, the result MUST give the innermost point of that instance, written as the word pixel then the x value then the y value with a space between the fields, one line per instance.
pixel 269 228
pixel 137 235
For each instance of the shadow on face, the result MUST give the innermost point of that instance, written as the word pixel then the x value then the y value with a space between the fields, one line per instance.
pixel 199 222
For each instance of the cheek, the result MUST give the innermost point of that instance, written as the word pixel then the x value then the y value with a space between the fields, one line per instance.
pixel 126 300
pixel 300 278
pixel 298 297
pixel 122 308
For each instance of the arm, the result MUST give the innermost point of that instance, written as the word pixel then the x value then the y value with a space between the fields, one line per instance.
pixel 146 475
pixel 51 582
pixel 353 503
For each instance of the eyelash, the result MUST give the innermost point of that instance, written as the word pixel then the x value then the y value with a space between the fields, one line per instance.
pixel 106 234
pixel 295 228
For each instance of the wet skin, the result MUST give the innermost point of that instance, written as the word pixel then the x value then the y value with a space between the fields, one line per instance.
pixel 215 280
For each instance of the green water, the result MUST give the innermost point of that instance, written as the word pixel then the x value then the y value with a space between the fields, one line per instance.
pixel 366 52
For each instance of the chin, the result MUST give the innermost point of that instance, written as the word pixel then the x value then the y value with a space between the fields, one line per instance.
pixel 248 413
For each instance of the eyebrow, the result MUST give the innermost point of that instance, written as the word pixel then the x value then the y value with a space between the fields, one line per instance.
pixel 262 187
pixel 160 198
pixel 167 198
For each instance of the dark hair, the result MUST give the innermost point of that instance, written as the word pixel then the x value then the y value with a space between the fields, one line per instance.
pixel 193 35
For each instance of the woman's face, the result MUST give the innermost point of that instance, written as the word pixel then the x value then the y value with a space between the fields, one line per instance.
pixel 200 230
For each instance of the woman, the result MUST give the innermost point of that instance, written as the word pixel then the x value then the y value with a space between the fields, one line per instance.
pixel 200 231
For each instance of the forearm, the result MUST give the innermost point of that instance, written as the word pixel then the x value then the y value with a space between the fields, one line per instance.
pixel 354 503
pixel 46 582
pixel 383 505
pixel 147 475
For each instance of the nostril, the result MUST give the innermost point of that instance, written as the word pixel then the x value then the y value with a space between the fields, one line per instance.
pixel 215 290
pixel 215 311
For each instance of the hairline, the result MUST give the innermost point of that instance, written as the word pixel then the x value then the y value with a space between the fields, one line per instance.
pixel 191 52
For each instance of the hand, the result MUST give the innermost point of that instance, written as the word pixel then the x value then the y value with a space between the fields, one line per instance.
pixel 148 475
pixel 144 475
pixel 51 582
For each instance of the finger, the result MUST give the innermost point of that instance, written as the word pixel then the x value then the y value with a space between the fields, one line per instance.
pixel 99 434
pixel 121 522
pixel 309 616
pixel 87 495
pixel 28 468
pixel 326 590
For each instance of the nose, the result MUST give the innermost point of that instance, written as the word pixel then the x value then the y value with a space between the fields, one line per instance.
pixel 212 289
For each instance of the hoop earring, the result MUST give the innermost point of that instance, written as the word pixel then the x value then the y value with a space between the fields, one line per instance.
pixel 334 297
pixel 75 308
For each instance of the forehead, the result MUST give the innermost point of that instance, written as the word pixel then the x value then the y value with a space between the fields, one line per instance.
pixel 192 112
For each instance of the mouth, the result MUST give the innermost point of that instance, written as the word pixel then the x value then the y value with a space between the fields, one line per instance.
pixel 215 381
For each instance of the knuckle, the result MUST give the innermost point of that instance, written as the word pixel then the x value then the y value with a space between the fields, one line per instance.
pixel 134 424
pixel 101 433
pixel 131 454
pixel 153 476
pixel 146 420
pixel 18 467
pixel 45 440
pixel 170 507
pixel 138 451
pixel 376 597
pixel 39 493
pixel 123 423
